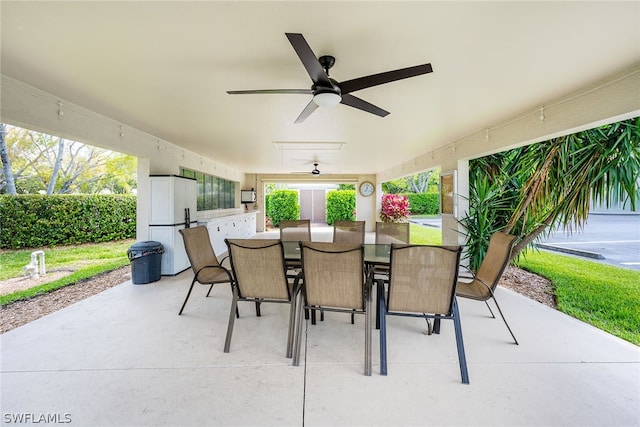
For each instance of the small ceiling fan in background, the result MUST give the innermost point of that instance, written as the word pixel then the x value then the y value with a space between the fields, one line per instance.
pixel 328 92
pixel 315 172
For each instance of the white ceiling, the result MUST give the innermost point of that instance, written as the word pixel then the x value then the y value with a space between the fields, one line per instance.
pixel 164 68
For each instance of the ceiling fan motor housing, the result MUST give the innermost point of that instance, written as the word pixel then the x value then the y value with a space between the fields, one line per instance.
pixel 327 61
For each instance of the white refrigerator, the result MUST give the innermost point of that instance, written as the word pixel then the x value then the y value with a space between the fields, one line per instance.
pixel 173 207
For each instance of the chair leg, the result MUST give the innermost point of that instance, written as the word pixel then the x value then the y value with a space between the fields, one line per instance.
pixel 188 293
pixel 258 309
pixel 489 307
pixel 436 325
pixel 504 320
pixel 292 323
pixel 429 330
pixel 299 324
pixel 383 334
pixel 462 359
pixel 367 332
pixel 237 311
pixel 209 291
pixel 380 289
pixel 232 312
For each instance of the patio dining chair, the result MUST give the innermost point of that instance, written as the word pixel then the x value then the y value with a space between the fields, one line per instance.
pixel 334 280
pixel 482 284
pixel 348 232
pixel 204 263
pixel 260 276
pixel 387 233
pixel 392 232
pixel 295 231
pixel 422 283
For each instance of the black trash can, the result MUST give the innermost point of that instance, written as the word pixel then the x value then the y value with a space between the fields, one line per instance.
pixel 146 261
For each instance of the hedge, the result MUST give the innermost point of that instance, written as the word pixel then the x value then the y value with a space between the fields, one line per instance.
pixel 424 203
pixel 341 206
pixel 283 205
pixel 33 220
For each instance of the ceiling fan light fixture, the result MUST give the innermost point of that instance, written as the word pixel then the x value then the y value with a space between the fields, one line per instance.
pixel 327 99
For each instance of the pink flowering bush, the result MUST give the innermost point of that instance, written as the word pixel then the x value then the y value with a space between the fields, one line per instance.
pixel 395 208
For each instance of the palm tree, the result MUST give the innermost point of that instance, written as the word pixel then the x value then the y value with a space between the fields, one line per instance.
pixel 531 190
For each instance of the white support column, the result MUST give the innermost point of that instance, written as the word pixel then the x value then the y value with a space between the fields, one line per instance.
pixel 143 200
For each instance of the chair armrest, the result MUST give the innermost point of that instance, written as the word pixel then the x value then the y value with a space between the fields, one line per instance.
pixel 216 267
pixel 225 258
pixel 466 272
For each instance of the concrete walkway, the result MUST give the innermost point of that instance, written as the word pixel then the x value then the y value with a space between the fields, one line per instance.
pixel 125 358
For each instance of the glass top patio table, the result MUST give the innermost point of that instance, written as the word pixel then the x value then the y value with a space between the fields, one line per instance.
pixel 374 254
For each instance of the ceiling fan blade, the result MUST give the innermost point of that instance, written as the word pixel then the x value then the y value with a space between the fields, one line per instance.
pixel 355 102
pixel 309 59
pixel 294 91
pixel 353 85
pixel 310 108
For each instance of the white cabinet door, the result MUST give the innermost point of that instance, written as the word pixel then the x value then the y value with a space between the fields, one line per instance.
pixel 251 225
pixel 233 228
pixel 162 207
pixel 170 196
pixel 174 258
pixel 186 197
pixel 217 234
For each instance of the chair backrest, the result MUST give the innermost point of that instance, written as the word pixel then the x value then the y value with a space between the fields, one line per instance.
pixel 198 247
pixel 392 232
pixel 496 259
pixel 348 231
pixel 258 267
pixel 333 274
pixel 423 279
pixel 295 230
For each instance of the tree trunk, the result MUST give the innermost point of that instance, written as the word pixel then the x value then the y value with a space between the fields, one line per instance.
pixel 6 162
pixel 56 168
pixel 529 238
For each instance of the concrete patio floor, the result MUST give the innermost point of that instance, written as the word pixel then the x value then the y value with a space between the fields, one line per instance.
pixel 125 358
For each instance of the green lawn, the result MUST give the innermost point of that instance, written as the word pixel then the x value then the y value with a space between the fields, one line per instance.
pixel 86 261
pixel 604 296
pixel 419 234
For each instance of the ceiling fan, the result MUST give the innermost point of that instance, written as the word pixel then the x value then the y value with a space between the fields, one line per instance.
pixel 328 92
pixel 315 172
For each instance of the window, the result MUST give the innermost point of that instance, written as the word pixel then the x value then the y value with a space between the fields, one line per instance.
pixel 213 192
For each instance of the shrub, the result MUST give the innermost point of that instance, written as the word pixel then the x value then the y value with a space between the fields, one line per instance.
pixel 424 203
pixel 33 220
pixel 283 205
pixel 395 208
pixel 341 206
